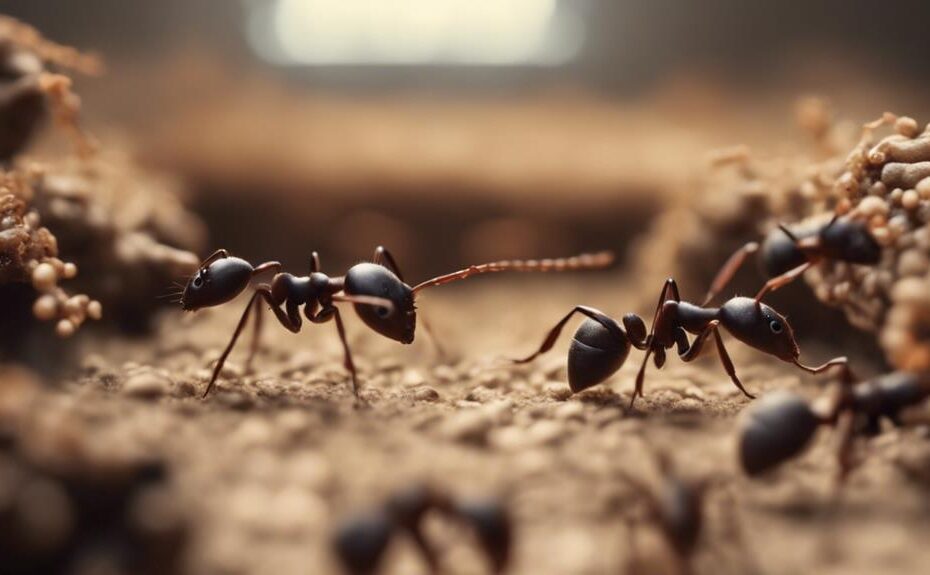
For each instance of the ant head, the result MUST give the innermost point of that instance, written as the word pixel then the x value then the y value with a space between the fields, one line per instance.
pixel 850 241
pixel 759 326
pixel 773 430
pixel 595 355
pixel 216 283
pixel 378 281
pixel 780 252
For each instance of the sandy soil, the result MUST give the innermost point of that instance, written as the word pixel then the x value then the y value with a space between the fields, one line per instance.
pixel 268 464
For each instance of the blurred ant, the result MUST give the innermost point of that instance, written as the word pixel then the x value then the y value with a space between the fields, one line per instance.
pixel 785 254
pixel 377 290
pixel 782 424
pixel 360 543
pixel 676 509
pixel 600 346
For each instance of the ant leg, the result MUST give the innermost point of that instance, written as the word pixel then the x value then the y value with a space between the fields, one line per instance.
pixel 428 328
pixel 846 430
pixel 640 376
pixel 348 363
pixel 261 292
pixel 256 335
pixel 364 300
pixel 383 257
pixel 553 334
pixel 218 254
pixel 315 262
pixel 782 280
pixel 267 266
pixel 669 291
pixel 232 342
pixel 729 269
pixel 728 364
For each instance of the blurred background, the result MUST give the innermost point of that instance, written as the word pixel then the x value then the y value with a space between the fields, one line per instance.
pixel 491 129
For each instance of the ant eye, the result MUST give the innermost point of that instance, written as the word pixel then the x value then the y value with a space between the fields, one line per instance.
pixel 198 281
pixel 775 326
pixel 382 311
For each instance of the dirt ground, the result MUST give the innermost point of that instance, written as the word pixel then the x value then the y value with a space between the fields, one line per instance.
pixel 271 461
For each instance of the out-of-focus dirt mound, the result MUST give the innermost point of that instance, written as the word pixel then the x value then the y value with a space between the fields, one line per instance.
pixel 267 465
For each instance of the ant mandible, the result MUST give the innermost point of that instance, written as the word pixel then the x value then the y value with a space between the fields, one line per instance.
pixel 600 345
pixel 377 290
pixel 786 254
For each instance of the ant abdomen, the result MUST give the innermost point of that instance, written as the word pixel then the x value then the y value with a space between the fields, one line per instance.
pixel 779 253
pixel 775 429
pixel 595 355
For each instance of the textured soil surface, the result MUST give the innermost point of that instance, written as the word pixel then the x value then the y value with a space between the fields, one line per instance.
pixel 268 464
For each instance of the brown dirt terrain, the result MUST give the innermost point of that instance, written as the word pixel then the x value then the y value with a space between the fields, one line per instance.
pixel 271 461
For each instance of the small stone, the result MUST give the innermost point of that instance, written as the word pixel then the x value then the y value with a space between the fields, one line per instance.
pixel 44 277
pixel 413 378
pixel 65 328
pixel 425 393
pixel 147 385
pixel 693 392
pixel 569 410
pixel 910 200
pixel 94 310
pixel 546 432
pixel 872 206
pixel 557 390
pixel 45 307
pixel 907 126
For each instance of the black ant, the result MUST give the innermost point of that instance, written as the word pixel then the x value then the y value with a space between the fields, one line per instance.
pixel 600 346
pixel 676 509
pixel 782 424
pixel 377 289
pixel 786 254
pixel 360 543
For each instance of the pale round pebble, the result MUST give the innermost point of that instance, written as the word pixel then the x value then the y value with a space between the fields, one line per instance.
pixel 45 307
pixel 69 270
pixel 872 206
pixel 907 126
pixel 910 200
pixel 425 393
pixel 65 328
pixel 94 310
pixel 147 385
pixel 44 277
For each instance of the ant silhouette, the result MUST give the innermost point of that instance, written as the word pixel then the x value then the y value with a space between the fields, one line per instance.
pixel 600 346
pixel 360 543
pixel 381 298
pixel 786 254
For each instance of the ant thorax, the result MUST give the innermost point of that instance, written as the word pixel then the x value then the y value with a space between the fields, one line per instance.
pixel 301 290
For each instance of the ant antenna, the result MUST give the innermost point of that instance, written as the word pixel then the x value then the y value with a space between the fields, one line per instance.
pixel 788 232
pixel 580 262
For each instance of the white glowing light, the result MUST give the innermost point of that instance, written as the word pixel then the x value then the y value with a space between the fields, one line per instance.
pixel 484 32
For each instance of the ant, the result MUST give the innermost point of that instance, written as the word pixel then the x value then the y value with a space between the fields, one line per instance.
pixel 360 543
pixel 781 425
pixel 786 254
pixel 382 299
pixel 676 509
pixel 600 345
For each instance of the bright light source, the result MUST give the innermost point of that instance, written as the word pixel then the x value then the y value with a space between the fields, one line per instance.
pixel 482 32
